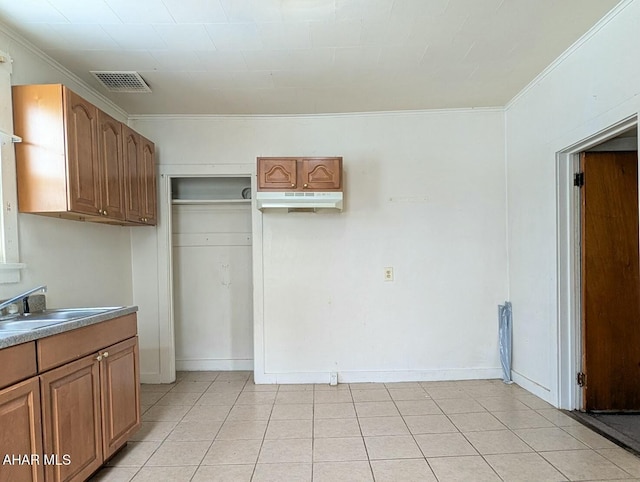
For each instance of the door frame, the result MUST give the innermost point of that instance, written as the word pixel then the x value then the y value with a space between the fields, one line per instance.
pixel 569 254
pixel 165 262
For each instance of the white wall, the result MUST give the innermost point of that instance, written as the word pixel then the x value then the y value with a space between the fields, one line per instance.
pixel 425 193
pixel 84 264
pixel 593 87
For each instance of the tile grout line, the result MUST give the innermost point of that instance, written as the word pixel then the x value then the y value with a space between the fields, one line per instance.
pixel 192 406
pixel 214 437
pixel 413 436
pixel 364 442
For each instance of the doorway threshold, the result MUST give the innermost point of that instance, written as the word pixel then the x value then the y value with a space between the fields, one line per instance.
pixel 621 428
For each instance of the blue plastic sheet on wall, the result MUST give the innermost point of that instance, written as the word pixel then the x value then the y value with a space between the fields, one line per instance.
pixel 505 334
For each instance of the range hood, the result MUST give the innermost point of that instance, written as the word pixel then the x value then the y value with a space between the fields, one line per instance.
pixel 299 200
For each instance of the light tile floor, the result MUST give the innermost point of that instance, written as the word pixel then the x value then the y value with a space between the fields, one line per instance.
pixel 211 426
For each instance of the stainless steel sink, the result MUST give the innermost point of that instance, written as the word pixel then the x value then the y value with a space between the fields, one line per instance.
pixel 33 321
pixel 23 325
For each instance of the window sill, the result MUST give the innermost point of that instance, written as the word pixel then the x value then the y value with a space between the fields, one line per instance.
pixel 10 272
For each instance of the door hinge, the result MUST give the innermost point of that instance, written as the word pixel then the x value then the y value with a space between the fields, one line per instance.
pixel 581 379
pixel 578 179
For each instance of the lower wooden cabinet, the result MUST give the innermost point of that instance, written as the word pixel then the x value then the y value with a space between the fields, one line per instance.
pixel 72 421
pixel 89 409
pixel 71 401
pixel 120 394
pixel 20 433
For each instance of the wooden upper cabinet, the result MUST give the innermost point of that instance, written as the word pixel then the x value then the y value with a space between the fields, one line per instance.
pixel 148 181
pixel 111 166
pixel 81 121
pixel 141 197
pixel 75 161
pixel 281 174
pixel 133 161
pixel 323 174
pixel 300 174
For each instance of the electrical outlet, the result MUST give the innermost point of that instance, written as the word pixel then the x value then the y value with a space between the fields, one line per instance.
pixel 388 273
pixel 333 380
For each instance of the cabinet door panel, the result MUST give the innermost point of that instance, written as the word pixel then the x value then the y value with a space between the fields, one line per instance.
pixel 72 419
pixel 277 174
pixel 20 431
pixel 110 148
pixel 120 380
pixel 82 155
pixel 321 174
pixel 148 182
pixel 133 171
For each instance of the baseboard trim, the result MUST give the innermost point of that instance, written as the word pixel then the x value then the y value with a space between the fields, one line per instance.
pixel 380 376
pixel 533 387
pixel 208 364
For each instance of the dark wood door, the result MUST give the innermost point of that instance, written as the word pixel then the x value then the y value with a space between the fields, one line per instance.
pixel 111 168
pixel 610 281
pixel 321 174
pixel 148 182
pixel 120 392
pixel 71 418
pixel 82 154
pixel 20 432
pixel 280 174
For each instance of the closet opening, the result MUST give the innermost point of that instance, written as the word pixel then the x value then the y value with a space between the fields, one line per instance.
pixel 211 261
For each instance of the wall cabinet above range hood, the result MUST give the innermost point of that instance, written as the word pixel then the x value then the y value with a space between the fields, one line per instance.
pixel 299 183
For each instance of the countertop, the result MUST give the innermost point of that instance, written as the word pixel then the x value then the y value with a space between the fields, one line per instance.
pixel 10 338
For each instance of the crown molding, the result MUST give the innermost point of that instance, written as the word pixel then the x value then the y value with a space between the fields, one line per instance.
pixel 463 110
pixel 600 24
pixel 23 42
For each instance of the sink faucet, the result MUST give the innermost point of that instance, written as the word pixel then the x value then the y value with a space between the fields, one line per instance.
pixel 22 297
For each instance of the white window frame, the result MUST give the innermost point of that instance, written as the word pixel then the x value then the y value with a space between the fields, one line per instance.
pixel 10 264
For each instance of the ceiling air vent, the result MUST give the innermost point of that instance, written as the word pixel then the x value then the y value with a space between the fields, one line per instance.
pixel 122 82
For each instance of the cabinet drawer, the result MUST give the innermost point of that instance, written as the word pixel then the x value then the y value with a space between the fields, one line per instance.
pixel 58 349
pixel 18 362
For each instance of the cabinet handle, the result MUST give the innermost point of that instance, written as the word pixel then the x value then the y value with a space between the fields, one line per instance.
pixel 306 185
pixel 104 213
pixel 293 185
pixel 99 211
pixel 99 358
pixel 105 354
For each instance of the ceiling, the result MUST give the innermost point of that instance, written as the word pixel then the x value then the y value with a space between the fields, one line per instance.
pixel 306 56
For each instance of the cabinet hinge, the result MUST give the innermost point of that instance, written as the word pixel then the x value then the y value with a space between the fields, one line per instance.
pixel 578 179
pixel 581 378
